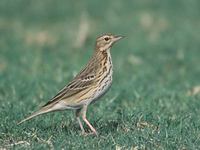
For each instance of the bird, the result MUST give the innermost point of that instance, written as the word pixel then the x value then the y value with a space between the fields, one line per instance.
pixel 92 82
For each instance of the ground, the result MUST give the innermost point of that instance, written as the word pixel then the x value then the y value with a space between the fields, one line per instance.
pixel 154 100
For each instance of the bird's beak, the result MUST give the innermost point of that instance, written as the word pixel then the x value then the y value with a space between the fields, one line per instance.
pixel 117 38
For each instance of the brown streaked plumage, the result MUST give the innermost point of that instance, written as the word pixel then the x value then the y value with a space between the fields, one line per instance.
pixel 88 85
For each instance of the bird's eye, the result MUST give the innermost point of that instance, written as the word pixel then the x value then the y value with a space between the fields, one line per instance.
pixel 106 38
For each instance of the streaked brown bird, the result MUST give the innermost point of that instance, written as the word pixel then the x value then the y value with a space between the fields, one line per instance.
pixel 87 86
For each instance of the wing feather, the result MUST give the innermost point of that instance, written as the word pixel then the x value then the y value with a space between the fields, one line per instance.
pixel 83 80
pixel 75 86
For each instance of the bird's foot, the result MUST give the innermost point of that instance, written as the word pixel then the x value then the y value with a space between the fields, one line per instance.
pixel 89 133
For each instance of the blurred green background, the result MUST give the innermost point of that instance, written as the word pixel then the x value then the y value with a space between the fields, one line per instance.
pixel 154 100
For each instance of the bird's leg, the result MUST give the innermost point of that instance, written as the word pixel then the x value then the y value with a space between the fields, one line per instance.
pixel 84 110
pixel 78 112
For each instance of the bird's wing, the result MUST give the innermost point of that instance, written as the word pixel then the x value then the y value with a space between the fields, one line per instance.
pixel 81 82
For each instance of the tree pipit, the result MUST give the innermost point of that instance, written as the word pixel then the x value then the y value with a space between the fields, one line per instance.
pixel 87 86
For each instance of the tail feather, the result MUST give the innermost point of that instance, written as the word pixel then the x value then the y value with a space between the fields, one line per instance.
pixel 40 112
pixel 47 108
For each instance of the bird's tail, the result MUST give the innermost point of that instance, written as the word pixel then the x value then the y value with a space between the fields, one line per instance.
pixel 40 112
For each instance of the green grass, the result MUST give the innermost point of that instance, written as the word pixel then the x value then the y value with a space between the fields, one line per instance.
pixel 148 106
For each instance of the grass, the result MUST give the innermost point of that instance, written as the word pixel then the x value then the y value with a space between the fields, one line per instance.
pixel 154 100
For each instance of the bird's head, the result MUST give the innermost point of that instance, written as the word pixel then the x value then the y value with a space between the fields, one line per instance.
pixel 106 41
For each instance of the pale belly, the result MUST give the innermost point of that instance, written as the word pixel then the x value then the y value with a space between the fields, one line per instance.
pixel 102 89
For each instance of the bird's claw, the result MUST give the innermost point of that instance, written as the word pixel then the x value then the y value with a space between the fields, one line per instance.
pixel 89 133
